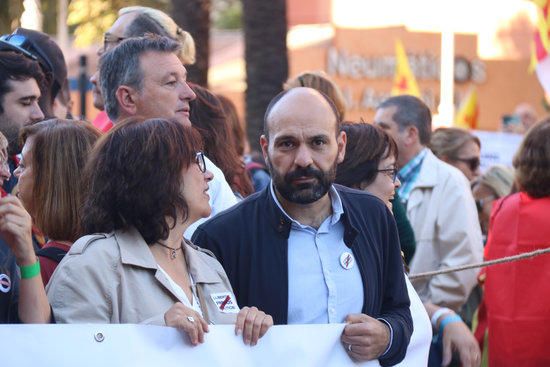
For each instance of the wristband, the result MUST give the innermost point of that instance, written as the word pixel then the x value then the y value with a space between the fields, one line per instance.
pixel 437 314
pixel 30 271
pixel 448 320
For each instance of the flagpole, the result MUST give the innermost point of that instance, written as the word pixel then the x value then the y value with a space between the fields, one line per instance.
pixel 446 102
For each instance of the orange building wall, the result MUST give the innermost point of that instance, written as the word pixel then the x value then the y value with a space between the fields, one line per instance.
pixel 506 85
pixel 308 11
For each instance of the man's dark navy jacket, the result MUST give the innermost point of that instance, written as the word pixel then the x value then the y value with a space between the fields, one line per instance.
pixel 250 240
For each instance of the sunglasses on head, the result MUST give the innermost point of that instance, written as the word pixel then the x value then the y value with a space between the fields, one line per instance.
pixel 473 163
pixel 20 43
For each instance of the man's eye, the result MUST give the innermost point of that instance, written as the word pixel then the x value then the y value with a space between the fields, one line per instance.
pixel 319 142
pixel 286 144
pixel 26 102
pixel 171 82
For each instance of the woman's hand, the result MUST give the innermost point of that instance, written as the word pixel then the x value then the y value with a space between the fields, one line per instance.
pixel 188 320
pixel 16 229
pixel 253 324
pixel 457 337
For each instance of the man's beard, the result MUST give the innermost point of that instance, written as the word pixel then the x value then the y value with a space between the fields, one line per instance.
pixel 303 193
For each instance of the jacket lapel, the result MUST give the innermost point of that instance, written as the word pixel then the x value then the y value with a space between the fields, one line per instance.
pixel 134 251
pixel 427 178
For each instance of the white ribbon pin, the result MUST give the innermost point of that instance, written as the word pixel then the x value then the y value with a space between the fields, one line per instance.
pixel 346 260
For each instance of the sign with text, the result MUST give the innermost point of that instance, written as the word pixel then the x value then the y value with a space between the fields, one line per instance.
pixel 497 147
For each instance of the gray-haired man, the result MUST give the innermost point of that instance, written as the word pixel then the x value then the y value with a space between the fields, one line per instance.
pixel 144 76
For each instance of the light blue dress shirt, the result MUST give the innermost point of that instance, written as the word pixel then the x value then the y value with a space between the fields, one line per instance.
pixel 320 289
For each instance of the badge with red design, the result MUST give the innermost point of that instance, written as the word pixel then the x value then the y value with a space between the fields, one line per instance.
pixel 5 283
pixel 225 302
pixel 346 260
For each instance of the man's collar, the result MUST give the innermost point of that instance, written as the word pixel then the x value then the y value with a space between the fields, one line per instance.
pixel 411 165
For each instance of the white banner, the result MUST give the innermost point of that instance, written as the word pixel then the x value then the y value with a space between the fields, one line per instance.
pixel 497 147
pixel 148 346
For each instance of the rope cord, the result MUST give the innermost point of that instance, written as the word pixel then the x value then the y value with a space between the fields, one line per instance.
pixel 507 259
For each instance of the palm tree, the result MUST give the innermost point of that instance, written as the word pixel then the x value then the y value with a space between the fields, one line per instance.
pixel 194 17
pixel 265 30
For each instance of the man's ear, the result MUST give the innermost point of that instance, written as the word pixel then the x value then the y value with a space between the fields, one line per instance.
pixel 126 99
pixel 342 141
pixel 264 143
pixel 411 136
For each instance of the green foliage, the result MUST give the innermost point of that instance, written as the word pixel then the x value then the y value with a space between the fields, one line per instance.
pixel 10 12
pixel 91 18
pixel 227 14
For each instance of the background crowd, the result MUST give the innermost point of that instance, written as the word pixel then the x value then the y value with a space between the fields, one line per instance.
pixel 169 201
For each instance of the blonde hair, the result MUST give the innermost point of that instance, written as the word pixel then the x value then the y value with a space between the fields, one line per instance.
pixel 320 81
pixel 187 52
pixel 447 141
pixel 4 145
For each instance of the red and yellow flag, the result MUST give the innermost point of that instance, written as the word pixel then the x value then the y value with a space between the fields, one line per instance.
pixel 540 49
pixel 541 45
pixel 403 80
pixel 467 115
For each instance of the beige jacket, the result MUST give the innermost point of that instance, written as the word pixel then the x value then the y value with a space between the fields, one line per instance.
pixel 113 278
pixel 444 218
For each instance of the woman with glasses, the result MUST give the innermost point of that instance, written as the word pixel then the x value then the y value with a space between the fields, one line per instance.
pixel 459 148
pixel 370 165
pixel 147 183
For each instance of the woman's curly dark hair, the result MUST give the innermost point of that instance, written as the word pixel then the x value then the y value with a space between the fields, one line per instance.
pixel 134 177
pixel 366 146
pixel 532 161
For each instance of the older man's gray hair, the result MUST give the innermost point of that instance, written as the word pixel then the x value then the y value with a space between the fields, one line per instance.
pixel 120 66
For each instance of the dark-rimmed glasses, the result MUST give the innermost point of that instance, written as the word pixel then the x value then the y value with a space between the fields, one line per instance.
pixel 473 163
pixel 390 172
pixel 199 159
pixel 20 43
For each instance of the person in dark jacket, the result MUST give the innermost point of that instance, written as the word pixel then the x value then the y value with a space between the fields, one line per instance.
pixel 308 251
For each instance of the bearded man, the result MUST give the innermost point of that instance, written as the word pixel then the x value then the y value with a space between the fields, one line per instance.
pixel 310 252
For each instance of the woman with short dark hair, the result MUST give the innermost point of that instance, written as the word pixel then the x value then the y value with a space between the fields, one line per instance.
pixel 370 164
pixel 517 293
pixel 147 182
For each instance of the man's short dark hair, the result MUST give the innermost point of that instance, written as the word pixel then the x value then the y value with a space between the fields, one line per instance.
pixel 15 66
pixel 411 110
pixel 279 96
pixel 120 66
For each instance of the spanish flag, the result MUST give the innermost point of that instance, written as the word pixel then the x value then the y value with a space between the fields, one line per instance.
pixel 467 115
pixel 403 81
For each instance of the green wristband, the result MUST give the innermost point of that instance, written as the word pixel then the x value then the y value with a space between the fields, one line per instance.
pixel 30 271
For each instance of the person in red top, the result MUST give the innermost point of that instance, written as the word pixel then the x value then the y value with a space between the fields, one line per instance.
pixel 517 294
pixel 53 157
